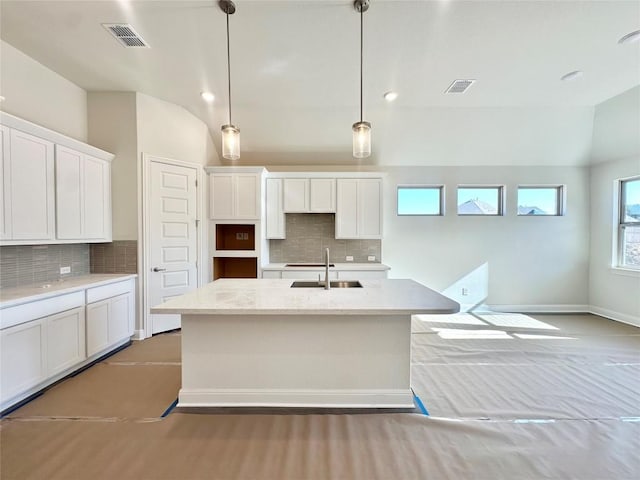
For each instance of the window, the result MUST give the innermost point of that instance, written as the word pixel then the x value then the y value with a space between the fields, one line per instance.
pixel 540 200
pixel 629 224
pixel 481 200
pixel 420 200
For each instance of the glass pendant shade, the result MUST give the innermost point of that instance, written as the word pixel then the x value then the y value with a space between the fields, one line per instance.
pixel 230 142
pixel 361 139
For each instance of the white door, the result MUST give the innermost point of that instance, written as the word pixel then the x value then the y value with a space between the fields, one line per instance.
pixel 172 238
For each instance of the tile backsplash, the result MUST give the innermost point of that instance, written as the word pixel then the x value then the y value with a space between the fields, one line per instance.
pixel 119 256
pixel 308 234
pixel 33 264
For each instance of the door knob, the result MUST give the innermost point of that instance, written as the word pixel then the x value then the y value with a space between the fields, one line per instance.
pixel 156 269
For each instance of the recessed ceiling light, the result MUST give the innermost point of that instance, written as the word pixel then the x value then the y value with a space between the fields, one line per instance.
pixel 208 96
pixel 630 37
pixel 571 76
pixel 390 96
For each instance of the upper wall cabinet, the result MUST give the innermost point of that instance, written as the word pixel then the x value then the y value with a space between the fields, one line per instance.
pixel 359 208
pixel 309 195
pixel 275 221
pixel 54 189
pixel 83 196
pixel 235 193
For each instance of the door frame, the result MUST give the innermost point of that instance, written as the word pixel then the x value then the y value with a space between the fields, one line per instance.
pixel 143 227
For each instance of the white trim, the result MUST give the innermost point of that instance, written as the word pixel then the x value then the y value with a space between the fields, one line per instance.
pixel 617 316
pixel 138 335
pixel 558 308
pixel 327 174
pixel 627 272
pixel 143 227
pixel 296 398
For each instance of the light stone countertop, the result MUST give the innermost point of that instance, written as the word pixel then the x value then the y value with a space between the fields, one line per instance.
pixel 337 266
pixel 275 297
pixel 10 297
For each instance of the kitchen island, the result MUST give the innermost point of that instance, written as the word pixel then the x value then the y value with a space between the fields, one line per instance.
pixel 259 342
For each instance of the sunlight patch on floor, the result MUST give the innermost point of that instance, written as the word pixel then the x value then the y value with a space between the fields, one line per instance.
pixel 459 334
pixel 514 320
pixel 457 318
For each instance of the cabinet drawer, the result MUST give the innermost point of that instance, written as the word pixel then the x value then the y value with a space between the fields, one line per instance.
pixel 40 308
pixel 111 290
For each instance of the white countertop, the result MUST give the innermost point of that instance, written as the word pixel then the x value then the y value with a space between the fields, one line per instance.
pixel 275 297
pixel 337 266
pixel 10 297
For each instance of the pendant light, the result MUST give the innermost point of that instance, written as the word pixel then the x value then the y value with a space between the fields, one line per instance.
pixel 361 129
pixel 230 133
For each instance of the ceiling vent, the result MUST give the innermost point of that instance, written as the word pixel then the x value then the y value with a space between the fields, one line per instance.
pixel 126 35
pixel 459 86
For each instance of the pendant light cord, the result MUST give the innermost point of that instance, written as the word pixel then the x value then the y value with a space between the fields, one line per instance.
pixel 361 43
pixel 228 65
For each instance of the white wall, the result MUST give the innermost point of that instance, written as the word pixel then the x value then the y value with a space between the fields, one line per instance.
pixel 112 127
pixel 168 130
pixel 40 95
pixel 616 128
pixel 508 260
pixel 616 142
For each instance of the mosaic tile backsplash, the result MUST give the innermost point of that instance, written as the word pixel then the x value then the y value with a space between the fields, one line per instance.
pixel 119 256
pixel 34 264
pixel 308 234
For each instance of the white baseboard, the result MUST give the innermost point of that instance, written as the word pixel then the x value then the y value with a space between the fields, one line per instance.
pixel 617 316
pixel 559 308
pixel 138 335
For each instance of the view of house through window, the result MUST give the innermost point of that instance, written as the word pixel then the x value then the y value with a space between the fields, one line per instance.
pixel 629 226
pixel 540 200
pixel 480 200
pixel 420 200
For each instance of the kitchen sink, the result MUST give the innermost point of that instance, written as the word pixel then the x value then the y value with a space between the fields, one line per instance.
pixel 333 284
pixel 308 265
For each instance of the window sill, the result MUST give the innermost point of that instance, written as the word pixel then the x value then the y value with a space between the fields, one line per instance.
pixel 627 272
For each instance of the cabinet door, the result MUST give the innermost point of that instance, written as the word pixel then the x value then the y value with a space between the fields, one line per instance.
pixel 5 191
pixel 322 195
pixel 247 196
pixel 347 208
pixel 296 195
pixel 69 193
pixel 65 340
pixel 97 326
pixel 96 185
pixel 22 358
pixel 275 214
pixel 119 318
pixel 32 187
pixel 221 193
pixel 370 208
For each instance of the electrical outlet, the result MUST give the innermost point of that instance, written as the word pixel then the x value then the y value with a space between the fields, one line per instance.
pixel 349 258
pixel 371 258
pixel 245 236
pixel 465 292
pixel 64 270
pixel 239 236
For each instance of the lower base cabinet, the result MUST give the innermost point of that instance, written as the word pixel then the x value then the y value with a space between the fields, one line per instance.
pixel 65 340
pixel 109 321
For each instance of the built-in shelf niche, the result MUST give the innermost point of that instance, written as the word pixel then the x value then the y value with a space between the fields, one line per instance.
pixel 235 237
pixel 235 267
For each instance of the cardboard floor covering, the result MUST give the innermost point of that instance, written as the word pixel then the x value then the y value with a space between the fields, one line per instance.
pixel 510 408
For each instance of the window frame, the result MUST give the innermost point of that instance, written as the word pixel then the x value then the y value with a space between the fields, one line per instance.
pixel 440 187
pixel 561 199
pixel 621 224
pixel 502 193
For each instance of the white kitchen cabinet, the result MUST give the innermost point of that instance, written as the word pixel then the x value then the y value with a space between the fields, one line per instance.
pixel 359 208
pixel 110 314
pixel 29 189
pixel 275 221
pixel 6 176
pixel 361 274
pixel 23 358
pixel 83 196
pixel 308 274
pixel 65 340
pixel 235 196
pixel 309 195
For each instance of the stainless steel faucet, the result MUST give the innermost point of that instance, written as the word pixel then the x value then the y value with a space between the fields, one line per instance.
pixel 327 284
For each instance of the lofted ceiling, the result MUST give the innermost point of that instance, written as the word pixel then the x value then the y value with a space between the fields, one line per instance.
pixel 295 71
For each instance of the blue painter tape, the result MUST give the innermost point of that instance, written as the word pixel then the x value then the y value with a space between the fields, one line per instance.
pixel 171 407
pixel 420 404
